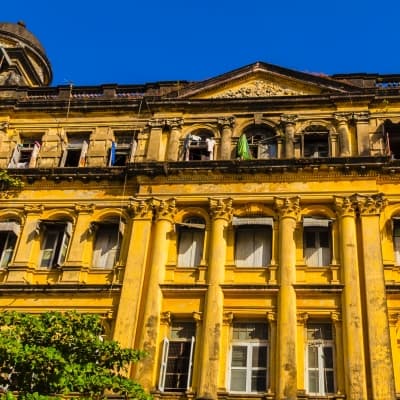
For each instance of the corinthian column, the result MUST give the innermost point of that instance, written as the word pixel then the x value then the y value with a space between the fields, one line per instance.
pixel 164 215
pixel 344 133
pixel 353 343
pixel 379 346
pixel 289 122
pixel 288 210
pixel 174 136
pixel 221 214
pixel 132 287
pixel 226 124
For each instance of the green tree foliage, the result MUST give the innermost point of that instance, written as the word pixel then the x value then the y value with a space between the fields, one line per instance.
pixel 9 182
pixel 55 354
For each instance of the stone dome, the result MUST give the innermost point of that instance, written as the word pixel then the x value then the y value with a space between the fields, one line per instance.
pixel 25 54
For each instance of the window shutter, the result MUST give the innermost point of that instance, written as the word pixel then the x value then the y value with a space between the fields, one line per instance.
pixel 16 155
pixel 63 157
pixel 185 248
pixel 82 158
pixel 106 247
pixel 8 249
pixel 133 150
pixel 34 155
pixel 190 364
pixel 396 242
pixel 48 248
pixel 65 239
pixel 163 367
pixel 259 255
pixel 244 248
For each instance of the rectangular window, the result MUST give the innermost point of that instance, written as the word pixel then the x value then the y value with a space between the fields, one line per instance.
pixel 249 358
pixel 177 358
pixel 75 153
pixel 190 242
pixel 54 243
pixel 253 245
pixel 9 232
pixel 123 149
pixel 320 359
pixel 317 241
pixel 106 246
pixel 25 154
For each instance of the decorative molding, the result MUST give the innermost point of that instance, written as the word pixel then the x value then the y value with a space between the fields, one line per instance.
pixel 302 318
pixel 343 117
pixel 287 207
pixel 156 123
pixel 33 209
pixel 258 88
pixel 344 206
pixel 221 208
pixel 165 318
pixel 362 116
pixel 142 208
pixel 84 208
pixel 174 123
pixel 288 118
pixel 226 122
pixel 165 209
pixel 370 204
pixel 227 318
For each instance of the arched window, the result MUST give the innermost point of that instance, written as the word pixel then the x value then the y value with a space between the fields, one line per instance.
pixel 9 231
pixel 107 243
pixel 190 242
pixel 262 141
pixel 315 141
pixel 199 145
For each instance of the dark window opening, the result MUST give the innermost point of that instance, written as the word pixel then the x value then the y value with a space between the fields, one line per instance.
pixel 392 139
pixel 199 146
pixel 122 149
pixel 262 142
pixel 315 142
pixel 72 159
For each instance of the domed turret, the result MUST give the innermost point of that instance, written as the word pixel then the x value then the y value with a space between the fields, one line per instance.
pixel 23 61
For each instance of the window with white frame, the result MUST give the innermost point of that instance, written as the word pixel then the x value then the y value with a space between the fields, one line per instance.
pixel 396 240
pixel 25 154
pixel 320 359
pixel 107 244
pixel 253 241
pixel 55 238
pixel 74 155
pixel 123 148
pixel 190 242
pixel 177 357
pixel 317 241
pixel 248 364
pixel 9 232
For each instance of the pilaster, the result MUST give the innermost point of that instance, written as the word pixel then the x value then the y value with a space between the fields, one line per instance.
pixel 165 211
pixel 221 214
pixel 175 125
pixel 342 120
pixel 226 125
pixel 379 346
pixel 141 211
pixel 288 210
pixel 155 138
pixel 362 130
pixel 353 342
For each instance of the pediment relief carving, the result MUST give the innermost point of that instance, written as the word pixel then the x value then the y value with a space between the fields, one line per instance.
pixel 258 88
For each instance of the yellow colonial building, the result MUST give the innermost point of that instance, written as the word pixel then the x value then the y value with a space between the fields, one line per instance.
pixel 243 230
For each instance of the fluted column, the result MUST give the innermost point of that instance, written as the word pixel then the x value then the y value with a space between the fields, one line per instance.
pixel 379 350
pixel 164 215
pixel 174 136
pixel 155 137
pixel 132 287
pixel 226 124
pixel 353 343
pixel 289 122
pixel 344 133
pixel 221 214
pixel 288 210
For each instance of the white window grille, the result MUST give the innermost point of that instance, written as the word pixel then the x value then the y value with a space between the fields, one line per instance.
pixel 248 360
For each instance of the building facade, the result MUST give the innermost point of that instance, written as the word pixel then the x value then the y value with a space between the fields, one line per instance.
pixel 243 230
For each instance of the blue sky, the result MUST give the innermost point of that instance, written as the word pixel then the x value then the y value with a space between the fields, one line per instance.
pixel 92 42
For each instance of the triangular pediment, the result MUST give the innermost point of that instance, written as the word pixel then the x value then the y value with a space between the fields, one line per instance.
pixel 263 80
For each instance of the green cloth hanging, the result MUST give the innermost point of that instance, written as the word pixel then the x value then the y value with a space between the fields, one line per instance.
pixel 242 149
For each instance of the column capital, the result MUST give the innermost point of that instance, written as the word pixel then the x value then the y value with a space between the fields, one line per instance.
pixel 141 208
pixel 362 116
pixel 344 206
pixel 302 318
pixel 335 317
pixel 394 319
pixel 156 123
pixel 228 122
pixel 165 209
pixel 165 318
pixel 227 318
pixel 174 123
pixel 370 204
pixel 221 208
pixel 343 117
pixel 271 316
pixel 287 207
pixel 84 208
pixel 288 119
